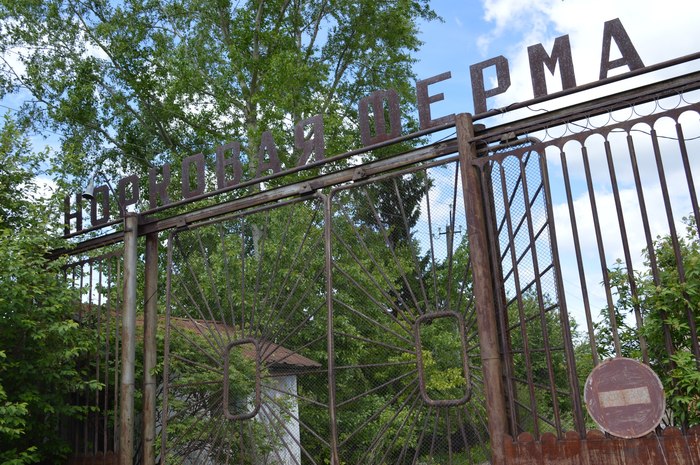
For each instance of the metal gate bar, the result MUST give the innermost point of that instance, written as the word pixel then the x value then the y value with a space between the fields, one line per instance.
pixel 96 281
pixel 521 238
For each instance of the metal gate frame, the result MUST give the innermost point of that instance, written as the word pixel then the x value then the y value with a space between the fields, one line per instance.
pixel 470 143
pixel 236 331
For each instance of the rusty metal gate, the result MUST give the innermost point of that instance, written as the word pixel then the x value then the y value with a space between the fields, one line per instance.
pixel 97 282
pixel 339 325
pixel 443 305
pixel 593 216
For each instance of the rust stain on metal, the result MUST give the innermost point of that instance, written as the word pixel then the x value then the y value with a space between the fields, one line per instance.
pixel 670 446
pixel 625 398
pixel 274 355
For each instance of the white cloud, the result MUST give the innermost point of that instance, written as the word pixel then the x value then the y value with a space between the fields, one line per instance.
pixel 46 187
pixel 526 19
pixel 521 23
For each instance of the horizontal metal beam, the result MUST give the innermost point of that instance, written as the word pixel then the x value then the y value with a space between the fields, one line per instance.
pixel 636 96
pixel 661 89
pixel 148 225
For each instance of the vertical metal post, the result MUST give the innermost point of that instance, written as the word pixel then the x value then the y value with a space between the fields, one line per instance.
pixel 328 250
pixel 483 288
pixel 126 412
pixel 150 323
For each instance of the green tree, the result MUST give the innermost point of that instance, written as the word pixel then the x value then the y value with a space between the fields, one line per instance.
pixel 41 342
pixel 232 290
pixel 669 306
pixel 383 280
pixel 138 83
pixel 146 82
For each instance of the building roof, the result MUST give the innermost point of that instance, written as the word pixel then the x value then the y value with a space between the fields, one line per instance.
pixel 273 356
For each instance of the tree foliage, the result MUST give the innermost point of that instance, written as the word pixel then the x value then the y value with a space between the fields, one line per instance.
pixel 669 304
pixel 145 82
pixel 133 84
pixel 41 343
pixel 384 278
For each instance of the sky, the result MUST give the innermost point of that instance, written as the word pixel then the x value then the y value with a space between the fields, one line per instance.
pixel 473 31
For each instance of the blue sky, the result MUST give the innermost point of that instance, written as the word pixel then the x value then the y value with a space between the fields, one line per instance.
pixel 476 30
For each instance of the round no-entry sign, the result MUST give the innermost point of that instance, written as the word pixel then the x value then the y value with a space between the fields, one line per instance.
pixel 625 398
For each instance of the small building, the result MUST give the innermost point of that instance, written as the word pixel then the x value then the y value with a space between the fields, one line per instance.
pixel 279 369
pixel 95 438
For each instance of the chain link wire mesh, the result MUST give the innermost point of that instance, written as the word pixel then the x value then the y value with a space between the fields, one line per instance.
pixel 596 233
pixel 341 325
pixel 245 366
pixel 531 319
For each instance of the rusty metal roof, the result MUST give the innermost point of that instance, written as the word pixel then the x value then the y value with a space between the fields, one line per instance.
pixel 273 355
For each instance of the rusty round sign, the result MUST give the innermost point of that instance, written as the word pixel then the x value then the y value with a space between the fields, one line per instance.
pixel 625 398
